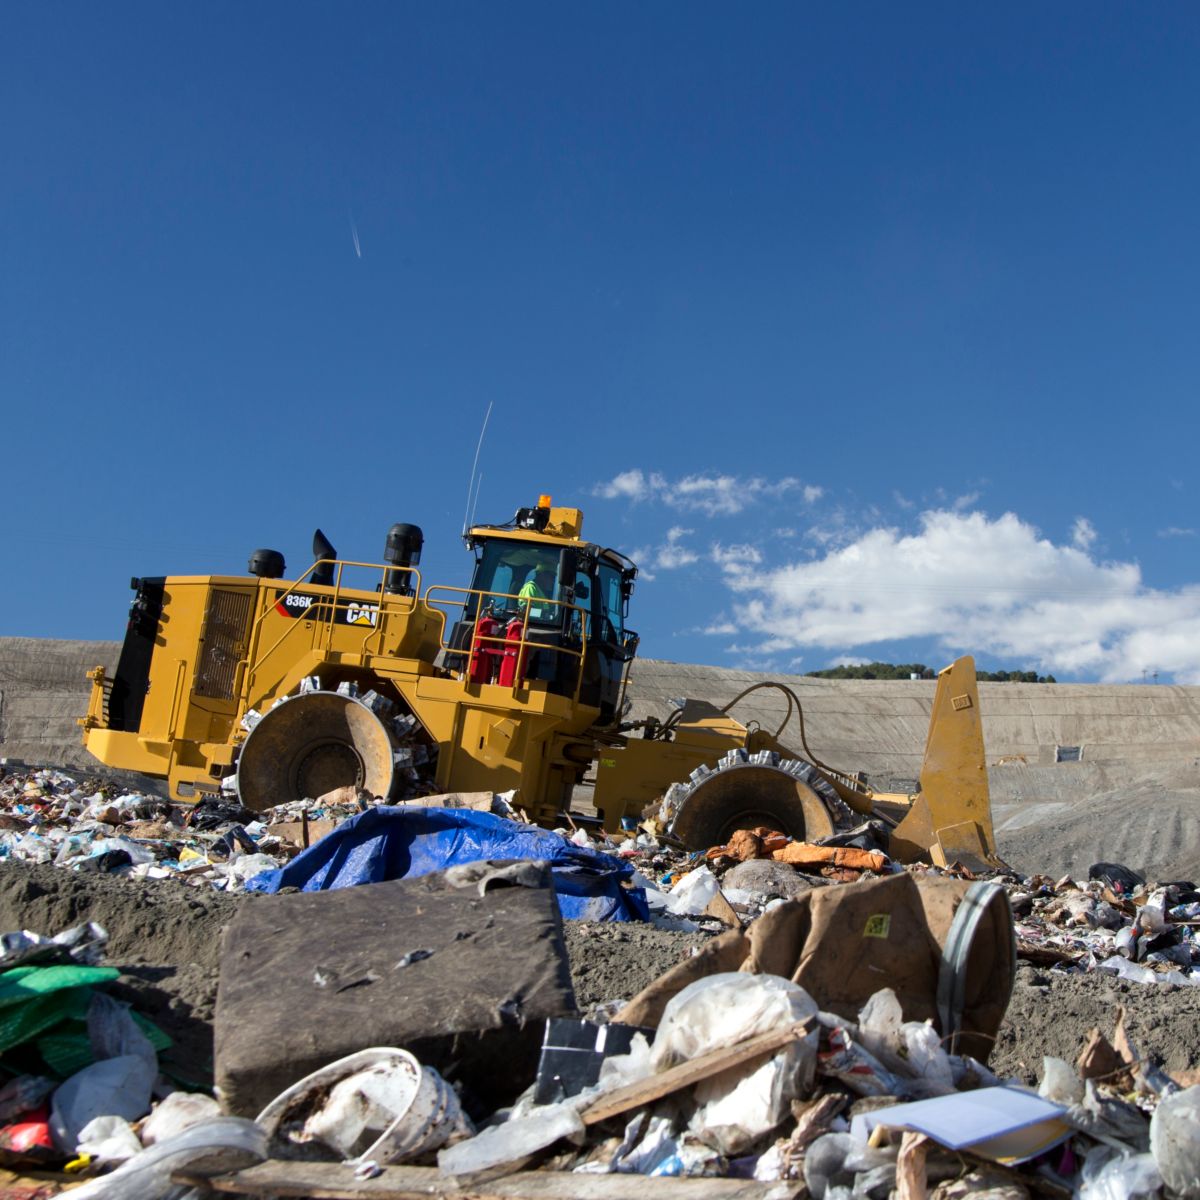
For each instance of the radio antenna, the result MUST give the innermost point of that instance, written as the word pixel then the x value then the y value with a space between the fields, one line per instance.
pixel 471 490
pixel 478 489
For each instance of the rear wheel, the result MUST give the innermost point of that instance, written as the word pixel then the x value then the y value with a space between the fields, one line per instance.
pixel 312 743
pixel 748 791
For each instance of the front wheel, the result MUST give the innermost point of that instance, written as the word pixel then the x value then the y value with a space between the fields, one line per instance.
pixel 749 791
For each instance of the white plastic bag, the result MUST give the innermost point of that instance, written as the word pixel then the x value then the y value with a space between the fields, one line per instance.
pixel 1127 970
pixel 736 1108
pixel 1116 1175
pixel 112 1030
pixel 739 1105
pixel 621 1069
pixel 147 1176
pixel 927 1056
pixel 1152 916
pixel 658 1143
pixel 879 1022
pixel 109 1140
pixel 246 866
pixel 117 1087
pixel 720 1010
pixel 137 852
pixel 825 1164
pixel 179 1111
pixel 1060 1082
pixel 1175 1141
pixel 513 1141
pixel 693 893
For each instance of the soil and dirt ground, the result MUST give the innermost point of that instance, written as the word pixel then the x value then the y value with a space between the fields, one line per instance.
pixel 1148 819
pixel 165 938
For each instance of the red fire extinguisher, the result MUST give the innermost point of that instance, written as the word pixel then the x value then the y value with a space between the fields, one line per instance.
pixel 510 667
pixel 485 652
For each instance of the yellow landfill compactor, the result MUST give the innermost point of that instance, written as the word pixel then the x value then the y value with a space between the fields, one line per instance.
pixel 361 674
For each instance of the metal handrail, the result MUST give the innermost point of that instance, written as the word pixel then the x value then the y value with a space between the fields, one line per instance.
pixel 387 604
pixel 523 646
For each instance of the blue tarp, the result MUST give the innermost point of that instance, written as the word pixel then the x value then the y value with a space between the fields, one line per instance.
pixel 401 843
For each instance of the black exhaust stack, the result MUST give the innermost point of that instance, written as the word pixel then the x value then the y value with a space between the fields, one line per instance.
pixel 322 574
pixel 402 549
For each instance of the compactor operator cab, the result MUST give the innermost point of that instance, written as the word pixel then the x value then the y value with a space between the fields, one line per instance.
pixel 566 600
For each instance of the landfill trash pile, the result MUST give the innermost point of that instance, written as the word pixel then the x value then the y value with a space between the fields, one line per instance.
pixel 80 1068
pixel 1116 922
pixel 748 1077
pixel 47 816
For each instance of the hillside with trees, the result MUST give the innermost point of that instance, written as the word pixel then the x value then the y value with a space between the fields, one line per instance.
pixel 879 670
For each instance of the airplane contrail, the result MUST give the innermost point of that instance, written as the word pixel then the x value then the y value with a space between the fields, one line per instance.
pixel 354 235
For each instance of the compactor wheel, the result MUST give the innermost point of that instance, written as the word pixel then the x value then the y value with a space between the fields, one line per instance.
pixel 309 744
pixel 744 791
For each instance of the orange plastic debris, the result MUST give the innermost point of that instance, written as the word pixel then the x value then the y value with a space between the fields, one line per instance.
pixel 806 854
pixel 745 845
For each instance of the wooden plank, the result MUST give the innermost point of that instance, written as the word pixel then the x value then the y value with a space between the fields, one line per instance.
pixel 335 1181
pixel 1044 956
pixel 655 1087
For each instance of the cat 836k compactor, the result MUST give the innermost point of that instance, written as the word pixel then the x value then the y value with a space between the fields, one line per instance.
pixel 359 673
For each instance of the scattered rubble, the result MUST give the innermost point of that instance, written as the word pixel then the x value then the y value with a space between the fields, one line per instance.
pixel 768 1079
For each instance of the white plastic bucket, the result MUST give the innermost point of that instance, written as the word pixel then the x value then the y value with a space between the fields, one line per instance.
pixel 423 1107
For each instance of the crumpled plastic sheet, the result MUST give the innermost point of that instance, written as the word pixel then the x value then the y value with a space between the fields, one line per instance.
pixel 390 842
pixel 83 944
pixel 147 1176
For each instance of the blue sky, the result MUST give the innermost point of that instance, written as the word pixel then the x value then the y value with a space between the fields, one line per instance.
pixel 871 329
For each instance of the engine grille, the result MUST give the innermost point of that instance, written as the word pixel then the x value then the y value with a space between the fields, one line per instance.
pixel 225 627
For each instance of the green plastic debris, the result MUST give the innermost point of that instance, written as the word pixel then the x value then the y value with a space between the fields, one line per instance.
pixel 35 999
pixel 67 1048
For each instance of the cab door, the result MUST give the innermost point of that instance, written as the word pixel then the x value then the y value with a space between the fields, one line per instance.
pixel 607 643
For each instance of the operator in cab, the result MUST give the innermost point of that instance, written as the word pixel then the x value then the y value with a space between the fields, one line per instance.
pixel 539 586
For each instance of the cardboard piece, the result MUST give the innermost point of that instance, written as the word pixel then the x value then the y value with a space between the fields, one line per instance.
pixel 302 833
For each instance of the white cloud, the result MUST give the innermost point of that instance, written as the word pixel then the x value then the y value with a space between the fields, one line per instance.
pixel 667 556
pixel 644 557
pixel 836 529
pixel 1174 531
pixel 736 555
pixel 628 485
pixel 976 584
pixel 812 493
pixel 719 629
pixel 710 495
pixel 1083 533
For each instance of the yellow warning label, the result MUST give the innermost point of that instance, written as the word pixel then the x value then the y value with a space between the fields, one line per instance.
pixel 608 762
pixel 878 925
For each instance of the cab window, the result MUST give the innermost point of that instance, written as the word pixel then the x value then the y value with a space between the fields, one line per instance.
pixel 505 568
pixel 612 605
